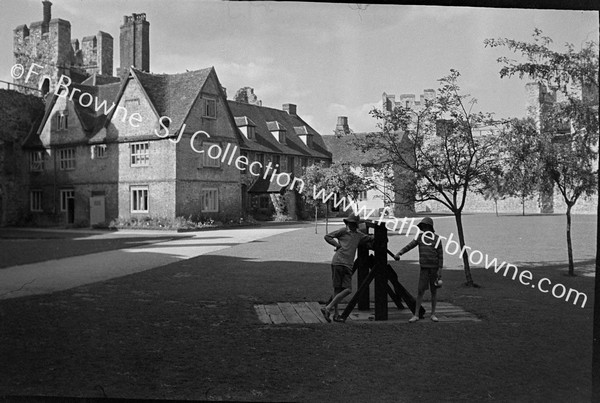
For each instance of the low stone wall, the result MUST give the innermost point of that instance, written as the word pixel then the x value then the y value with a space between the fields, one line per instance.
pixel 477 204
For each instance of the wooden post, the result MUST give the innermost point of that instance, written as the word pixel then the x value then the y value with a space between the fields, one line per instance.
pixel 381 278
pixel 363 272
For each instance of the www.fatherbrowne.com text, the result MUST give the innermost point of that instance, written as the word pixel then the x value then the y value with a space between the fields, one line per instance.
pixel 284 179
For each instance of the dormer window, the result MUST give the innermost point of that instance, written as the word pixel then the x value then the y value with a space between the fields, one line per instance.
pixel 246 126
pixel 280 136
pixel 277 130
pixel 304 135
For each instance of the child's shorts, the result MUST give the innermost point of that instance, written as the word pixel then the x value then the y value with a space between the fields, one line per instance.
pixel 342 276
pixel 427 277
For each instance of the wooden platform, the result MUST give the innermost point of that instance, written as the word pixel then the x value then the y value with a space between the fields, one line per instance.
pixel 310 312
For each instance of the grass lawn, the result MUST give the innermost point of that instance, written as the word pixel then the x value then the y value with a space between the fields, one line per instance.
pixel 189 331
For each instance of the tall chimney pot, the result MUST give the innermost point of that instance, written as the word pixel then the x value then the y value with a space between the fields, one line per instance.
pixel 47 11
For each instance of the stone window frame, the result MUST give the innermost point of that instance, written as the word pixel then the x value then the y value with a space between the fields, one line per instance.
pixel 139 154
pixel 66 159
pixel 37 161
pixel 101 151
pixel 139 197
pixel 36 197
pixel 209 107
pixel 210 200
pixel 62 120
pixel 64 195
pixel 205 160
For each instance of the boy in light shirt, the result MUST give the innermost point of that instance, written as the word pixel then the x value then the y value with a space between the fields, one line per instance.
pixel 346 241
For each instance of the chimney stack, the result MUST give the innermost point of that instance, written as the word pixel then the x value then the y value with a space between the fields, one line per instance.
pixel 290 108
pixel 135 43
pixel 47 11
pixel 342 127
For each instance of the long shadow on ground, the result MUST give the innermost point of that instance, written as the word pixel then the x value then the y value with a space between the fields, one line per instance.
pixel 188 330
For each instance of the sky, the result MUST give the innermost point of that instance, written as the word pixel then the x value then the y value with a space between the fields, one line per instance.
pixel 330 59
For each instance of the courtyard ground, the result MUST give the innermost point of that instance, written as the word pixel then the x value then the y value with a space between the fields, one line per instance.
pixel 188 330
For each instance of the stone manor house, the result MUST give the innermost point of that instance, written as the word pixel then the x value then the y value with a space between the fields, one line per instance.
pixel 80 165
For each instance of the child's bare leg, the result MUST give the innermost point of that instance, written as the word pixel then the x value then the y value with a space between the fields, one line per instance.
pixel 418 304
pixel 433 301
pixel 336 300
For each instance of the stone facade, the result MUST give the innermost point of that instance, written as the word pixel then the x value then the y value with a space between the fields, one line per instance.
pixel 48 44
pixel 281 138
pixel 20 113
pixel 139 155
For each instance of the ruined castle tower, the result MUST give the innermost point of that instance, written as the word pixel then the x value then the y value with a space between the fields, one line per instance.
pixel 48 44
pixel 135 43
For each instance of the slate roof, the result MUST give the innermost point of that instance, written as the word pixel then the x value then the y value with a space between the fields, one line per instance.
pixel 244 121
pixel 100 79
pixel 173 95
pixel 344 151
pixel 267 119
pixel 91 120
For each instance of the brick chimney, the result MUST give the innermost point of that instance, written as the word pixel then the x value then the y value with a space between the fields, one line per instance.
pixel 135 43
pixel 342 127
pixel 290 108
pixel 47 11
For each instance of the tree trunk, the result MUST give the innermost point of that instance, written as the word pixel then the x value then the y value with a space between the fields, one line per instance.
pixel 569 245
pixel 496 203
pixel 523 204
pixel 461 239
pixel 316 214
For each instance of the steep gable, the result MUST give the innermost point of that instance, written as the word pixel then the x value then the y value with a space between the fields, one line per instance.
pixel 173 95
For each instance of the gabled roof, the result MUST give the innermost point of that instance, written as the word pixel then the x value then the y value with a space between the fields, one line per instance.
pixel 270 119
pixel 244 121
pixel 173 95
pixel 92 120
pixel 301 130
pixel 275 126
pixel 100 79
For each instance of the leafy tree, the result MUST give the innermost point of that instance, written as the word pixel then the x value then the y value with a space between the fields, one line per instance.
pixel 439 145
pixel 521 156
pixel 568 127
pixel 493 186
pixel 338 180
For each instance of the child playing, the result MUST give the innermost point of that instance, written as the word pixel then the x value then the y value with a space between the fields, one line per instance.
pixel 431 259
pixel 345 240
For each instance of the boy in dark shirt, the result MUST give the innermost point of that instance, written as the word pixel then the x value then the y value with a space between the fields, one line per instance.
pixel 345 240
pixel 431 259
